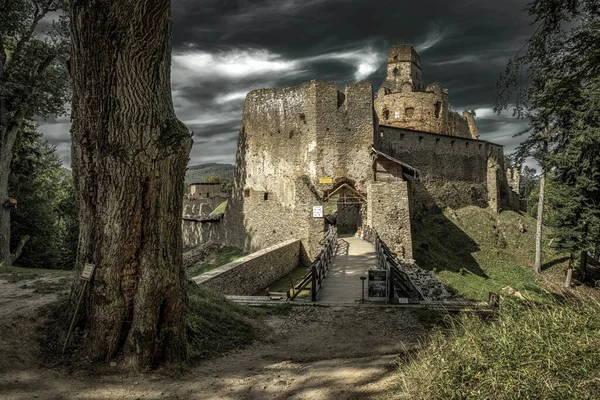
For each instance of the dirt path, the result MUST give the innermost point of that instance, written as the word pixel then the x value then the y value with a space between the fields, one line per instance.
pixel 311 353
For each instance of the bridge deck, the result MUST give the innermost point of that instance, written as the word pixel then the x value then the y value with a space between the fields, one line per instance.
pixel 342 283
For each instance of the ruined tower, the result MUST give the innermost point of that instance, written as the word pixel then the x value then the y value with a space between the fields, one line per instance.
pixel 403 70
pixel 404 102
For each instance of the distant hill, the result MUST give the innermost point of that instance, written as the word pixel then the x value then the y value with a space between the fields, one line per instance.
pixel 197 173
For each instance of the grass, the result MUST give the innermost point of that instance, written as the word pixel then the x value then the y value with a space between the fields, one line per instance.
pixel 216 325
pixel 544 346
pixel 220 209
pixel 18 274
pixel 224 255
pixel 284 284
pixel 532 350
pixel 48 287
pixel 474 251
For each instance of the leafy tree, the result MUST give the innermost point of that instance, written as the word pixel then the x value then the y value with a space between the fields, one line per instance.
pixel 529 181
pixel 46 210
pixel 68 220
pixel 129 158
pixel 554 84
pixel 226 184
pixel 35 180
pixel 33 81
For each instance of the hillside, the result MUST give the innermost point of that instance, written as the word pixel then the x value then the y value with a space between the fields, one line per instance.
pixel 197 173
pixel 475 251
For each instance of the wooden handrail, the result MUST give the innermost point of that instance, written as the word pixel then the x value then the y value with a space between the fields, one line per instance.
pixel 388 260
pixel 320 266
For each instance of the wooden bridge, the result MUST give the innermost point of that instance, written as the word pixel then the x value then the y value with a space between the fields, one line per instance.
pixel 340 276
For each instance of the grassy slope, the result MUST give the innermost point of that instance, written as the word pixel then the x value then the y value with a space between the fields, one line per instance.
pixel 16 274
pixel 197 173
pixel 220 209
pixel 474 251
pixel 544 347
pixel 216 325
pixel 530 351
pixel 224 255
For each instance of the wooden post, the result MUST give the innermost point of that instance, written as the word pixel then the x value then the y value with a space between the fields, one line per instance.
pixel 494 301
pixel 314 283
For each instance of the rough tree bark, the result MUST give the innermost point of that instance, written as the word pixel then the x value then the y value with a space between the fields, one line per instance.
pixel 10 123
pixel 129 158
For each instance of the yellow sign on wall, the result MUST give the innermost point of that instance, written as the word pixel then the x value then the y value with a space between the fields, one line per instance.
pixel 325 180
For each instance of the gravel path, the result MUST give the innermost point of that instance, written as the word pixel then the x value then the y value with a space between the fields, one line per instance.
pixel 311 353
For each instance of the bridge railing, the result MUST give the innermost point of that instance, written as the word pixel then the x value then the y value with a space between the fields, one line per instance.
pixel 396 278
pixel 319 266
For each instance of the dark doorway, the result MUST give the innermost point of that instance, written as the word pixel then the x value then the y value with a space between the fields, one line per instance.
pixel 344 205
pixel 349 216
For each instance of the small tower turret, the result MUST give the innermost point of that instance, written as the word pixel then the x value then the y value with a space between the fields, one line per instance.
pixel 403 70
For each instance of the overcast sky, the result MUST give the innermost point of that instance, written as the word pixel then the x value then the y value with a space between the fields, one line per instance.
pixel 224 48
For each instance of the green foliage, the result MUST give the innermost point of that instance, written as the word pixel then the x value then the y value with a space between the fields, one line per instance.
pixel 199 173
pixel 555 85
pixel 474 251
pixel 530 351
pixel 46 209
pixel 577 178
pixel 35 79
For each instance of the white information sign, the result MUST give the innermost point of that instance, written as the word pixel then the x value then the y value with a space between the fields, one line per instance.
pixel 317 212
pixel 88 270
pixel 403 300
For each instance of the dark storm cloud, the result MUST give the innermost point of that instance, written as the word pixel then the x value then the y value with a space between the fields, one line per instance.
pixel 223 49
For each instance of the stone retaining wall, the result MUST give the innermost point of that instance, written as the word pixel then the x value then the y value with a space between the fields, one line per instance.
pixel 254 272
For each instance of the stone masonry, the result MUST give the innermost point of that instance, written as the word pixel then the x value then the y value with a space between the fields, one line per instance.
pixel 403 102
pixel 252 273
pixel 399 152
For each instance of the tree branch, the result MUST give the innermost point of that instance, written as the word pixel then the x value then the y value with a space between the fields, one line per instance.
pixel 18 249
pixel 38 15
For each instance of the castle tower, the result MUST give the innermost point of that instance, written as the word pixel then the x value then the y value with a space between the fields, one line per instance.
pixel 404 102
pixel 403 70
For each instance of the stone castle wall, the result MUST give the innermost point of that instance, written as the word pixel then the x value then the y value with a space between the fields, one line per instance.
pixel 197 231
pixel 388 211
pixel 454 171
pixel 290 138
pixel 298 145
pixel 254 272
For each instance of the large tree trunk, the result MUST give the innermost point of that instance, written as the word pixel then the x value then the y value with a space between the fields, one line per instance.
pixel 5 158
pixel 129 158
pixel 8 134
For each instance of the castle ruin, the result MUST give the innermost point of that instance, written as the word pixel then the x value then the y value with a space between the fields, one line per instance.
pixel 358 158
